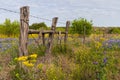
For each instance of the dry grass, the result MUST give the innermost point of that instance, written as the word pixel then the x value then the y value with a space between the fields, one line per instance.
pixel 5 67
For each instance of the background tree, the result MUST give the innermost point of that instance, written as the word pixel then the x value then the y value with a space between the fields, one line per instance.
pixel 16 28
pixel 81 26
pixel 114 30
pixel 9 28
pixel 36 26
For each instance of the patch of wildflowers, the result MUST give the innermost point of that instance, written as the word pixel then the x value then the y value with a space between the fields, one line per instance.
pixel 33 56
pixel 22 58
pixel 98 44
pixel 105 60
pixel 28 64
pixel 28 61
pixel 111 43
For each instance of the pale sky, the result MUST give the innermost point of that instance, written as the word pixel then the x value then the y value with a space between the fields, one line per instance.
pixel 101 12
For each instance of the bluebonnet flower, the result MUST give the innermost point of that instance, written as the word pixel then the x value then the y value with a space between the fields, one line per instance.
pixel 111 43
pixel 105 60
pixel 0 45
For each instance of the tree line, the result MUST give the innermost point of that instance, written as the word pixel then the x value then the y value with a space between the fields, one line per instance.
pixel 10 28
pixel 79 26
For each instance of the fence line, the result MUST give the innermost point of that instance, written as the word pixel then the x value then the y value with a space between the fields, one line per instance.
pixel 25 31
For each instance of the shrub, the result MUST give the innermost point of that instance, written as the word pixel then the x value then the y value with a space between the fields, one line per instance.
pixel 38 26
pixel 114 30
pixel 82 26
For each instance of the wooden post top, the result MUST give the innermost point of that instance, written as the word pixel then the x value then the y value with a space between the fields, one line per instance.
pixel 54 22
pixel 67 25
pixel 24 13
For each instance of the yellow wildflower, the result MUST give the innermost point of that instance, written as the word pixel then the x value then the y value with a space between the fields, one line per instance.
pixel 33 56
pixel 27 64
pixel 98 44
pixel 102 39
pixel 22 58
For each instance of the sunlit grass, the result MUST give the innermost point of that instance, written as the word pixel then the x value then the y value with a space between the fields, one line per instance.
pixel 77 61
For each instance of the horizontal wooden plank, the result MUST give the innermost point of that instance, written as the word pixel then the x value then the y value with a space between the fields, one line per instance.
pixel 45 32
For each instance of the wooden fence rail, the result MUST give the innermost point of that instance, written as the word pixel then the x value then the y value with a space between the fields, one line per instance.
pixel 25 31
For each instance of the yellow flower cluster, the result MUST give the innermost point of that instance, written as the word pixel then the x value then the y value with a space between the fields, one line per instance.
pixel 102 39
pixel 22 58
pixel 34 56
pixel 28 61
pixel 98 45
pixel 28 64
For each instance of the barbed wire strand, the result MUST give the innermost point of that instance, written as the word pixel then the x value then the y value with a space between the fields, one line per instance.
pixel 30 15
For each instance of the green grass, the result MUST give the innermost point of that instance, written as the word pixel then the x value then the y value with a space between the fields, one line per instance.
pixel 76 61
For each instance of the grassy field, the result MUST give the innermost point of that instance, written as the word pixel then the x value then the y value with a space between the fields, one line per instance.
pixel 96 59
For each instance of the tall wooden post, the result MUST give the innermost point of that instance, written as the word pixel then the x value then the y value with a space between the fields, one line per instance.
pixel 66 35
pixel 24 26
pixel 59 37
pixel 43 39
pixel 66 31
pixel 51 35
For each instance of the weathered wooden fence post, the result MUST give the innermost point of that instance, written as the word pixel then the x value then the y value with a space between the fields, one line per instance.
pixel 59 37
pixel 66 31
pixel 24 26
pixel 51 35
pixel 43 39
pixel 66 35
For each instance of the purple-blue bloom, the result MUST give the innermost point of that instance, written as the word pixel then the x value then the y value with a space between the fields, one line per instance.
pixel 111 43
pixel 105 60
pixel 0 45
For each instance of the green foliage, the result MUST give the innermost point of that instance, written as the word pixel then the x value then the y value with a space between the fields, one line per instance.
pixel 19 74
pixel 36 26
pixel 61 49
pixel 55 73
pixel 115 30
pixel 9 28
pixel 82 26
pixel 39 49
pixel 60 28
pixel 88 61
pixel 16 27
pixel 84 65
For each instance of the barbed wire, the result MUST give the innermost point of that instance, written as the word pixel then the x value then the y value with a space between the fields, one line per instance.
pixel 9 10
pixel 30 15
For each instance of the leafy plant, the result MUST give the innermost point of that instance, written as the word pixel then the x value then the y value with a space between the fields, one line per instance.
pixel 82 26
